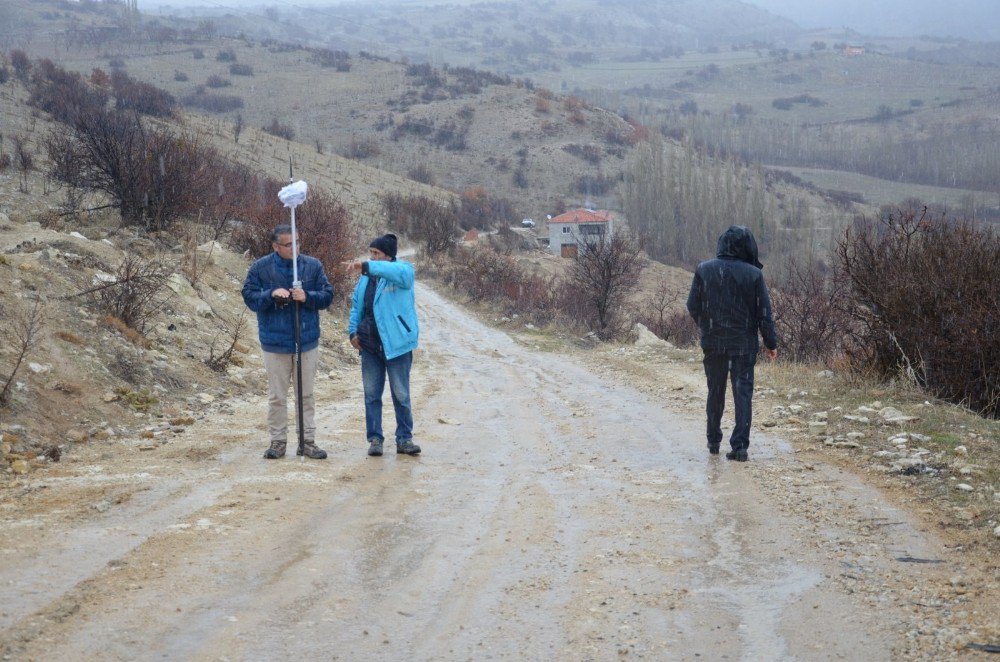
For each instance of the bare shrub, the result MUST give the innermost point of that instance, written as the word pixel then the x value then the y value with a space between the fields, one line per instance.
pixel 4 74
pixel 63 94
pixel 480 210
pixel 180 77
pixel 23 332
pixel 543 105
pixel 240 70
pixel 136 292
pixel 488 276
pixel 213 103
pixel 589 153
pixel 229 336
pixel 927 304
pixel 810 311
pixel 279 130
pixel 23 160
pixel 227 55
pixel 604 274
pixel 237 127
pixel 140 97
pixel 434 225
pixel 130 334
pixel 657 311
pixel 215 81
pixel 421 173
pixel 152 176
pixel 362 148
pixel 21 63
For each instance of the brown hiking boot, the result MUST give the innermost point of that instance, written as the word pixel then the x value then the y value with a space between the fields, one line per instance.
pixel 310 449
pixel 276 451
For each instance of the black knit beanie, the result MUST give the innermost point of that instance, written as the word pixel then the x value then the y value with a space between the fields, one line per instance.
pixel 386 243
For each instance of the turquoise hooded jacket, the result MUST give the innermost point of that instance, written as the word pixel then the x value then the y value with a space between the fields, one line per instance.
pixel 394 309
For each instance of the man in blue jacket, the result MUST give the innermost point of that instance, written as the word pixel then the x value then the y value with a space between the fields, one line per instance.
pixel 730 303
pixel 268 292
pixel 383 328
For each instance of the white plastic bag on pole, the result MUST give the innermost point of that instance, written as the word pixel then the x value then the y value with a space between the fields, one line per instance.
pixel 292 196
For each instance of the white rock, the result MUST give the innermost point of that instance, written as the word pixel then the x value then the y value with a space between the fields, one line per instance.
pixel 78 236
pixel 894 416
pixel 205 398
pixel 965 487
pixel 39 368
pixel 646 338
pixel 202 309
pixel 858 419
pixel 821 416
pixel 180 285
pixel 961 450
pixel 826 374
pixel 855 435
pixel 101 277
pixel 996 532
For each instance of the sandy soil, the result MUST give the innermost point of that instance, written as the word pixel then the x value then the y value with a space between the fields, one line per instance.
pixel 554 514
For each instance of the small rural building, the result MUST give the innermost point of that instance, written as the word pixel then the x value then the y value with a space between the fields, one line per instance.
pixel 854 51
pixel 578 226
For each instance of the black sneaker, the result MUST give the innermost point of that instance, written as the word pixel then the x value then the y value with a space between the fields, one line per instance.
pixel 375 447
pixel 311 450
pixel 276 451
pixel 407 447
pixel 713 448
pixel 739 456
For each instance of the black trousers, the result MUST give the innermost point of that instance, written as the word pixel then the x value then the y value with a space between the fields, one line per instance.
pixel 739 369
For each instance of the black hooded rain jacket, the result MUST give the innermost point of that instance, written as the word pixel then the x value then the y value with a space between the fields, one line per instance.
pixel 729 298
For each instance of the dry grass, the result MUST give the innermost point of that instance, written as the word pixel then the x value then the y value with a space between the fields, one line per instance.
pixel 133 336
pixel 69 336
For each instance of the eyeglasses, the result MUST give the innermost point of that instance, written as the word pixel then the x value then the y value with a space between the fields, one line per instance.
pixel 288 245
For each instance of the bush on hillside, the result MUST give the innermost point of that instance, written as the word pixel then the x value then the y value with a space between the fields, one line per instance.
pixel 240 69
pixel 151 175
pixel 140 97
pixel 279 130
pixel 215 81
pixel 927 304
pixel 810 311
pixel 62 94
pixel 433 225
pixel 487 276
pixel 213 103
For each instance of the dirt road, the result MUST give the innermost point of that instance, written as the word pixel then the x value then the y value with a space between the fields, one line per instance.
pixel 552 515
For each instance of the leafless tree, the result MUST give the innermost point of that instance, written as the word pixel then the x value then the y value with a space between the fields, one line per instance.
pixel 604 276
pixel 24 161
pixel 24 332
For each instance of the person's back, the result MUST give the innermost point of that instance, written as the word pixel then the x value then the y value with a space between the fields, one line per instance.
pixel 730 303
pixel 729 299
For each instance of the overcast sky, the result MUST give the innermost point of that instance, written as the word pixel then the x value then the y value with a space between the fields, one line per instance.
pixel 974 19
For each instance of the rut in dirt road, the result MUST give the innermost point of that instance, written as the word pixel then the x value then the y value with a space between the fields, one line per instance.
pixel 553 515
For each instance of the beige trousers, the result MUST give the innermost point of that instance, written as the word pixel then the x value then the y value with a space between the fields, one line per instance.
pixel 280 374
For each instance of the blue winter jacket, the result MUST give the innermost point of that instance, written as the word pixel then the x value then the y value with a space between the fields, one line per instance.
pixel 276 326
pixel 394 309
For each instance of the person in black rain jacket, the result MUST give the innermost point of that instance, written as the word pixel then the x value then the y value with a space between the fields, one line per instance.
pixel 730 303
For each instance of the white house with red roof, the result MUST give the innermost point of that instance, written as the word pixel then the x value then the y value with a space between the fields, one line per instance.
pixel 578 226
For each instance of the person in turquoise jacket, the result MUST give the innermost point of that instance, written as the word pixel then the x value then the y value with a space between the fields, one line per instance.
pixel 383 328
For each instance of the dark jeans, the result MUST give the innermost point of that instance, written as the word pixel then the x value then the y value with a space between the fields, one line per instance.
pixel 738 368
pixel 374 368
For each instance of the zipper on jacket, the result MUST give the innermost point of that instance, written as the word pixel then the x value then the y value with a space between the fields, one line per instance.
pixel 405 326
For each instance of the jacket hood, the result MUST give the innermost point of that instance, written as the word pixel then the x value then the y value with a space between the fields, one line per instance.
pixel 738 243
